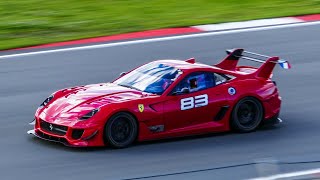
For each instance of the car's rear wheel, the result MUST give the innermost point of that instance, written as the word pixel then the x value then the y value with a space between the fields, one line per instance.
pixel 121 130
pixel 247 115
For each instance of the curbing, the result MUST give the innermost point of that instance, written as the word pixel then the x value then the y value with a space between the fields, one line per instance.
pixel 182 30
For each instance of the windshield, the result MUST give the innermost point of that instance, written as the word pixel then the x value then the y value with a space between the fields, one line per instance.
pixel 152 78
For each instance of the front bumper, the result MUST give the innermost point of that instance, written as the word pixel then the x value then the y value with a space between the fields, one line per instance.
pixel 91 136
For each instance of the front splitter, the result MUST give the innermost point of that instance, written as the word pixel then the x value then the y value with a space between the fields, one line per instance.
pixel 33 132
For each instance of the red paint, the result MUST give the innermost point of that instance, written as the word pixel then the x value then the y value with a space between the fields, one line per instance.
pixel 191 60
pixel 134 35
pixel 230 62
pixel 312 17
pixel 266 69
pixel 68 105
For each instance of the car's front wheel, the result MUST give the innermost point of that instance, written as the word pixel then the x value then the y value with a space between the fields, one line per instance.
pixel 247 115
pixel 121 130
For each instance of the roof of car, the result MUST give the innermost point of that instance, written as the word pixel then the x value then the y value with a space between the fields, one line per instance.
pixel 183 65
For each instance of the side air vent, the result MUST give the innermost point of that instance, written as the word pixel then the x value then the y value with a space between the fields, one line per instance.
pixel 222 112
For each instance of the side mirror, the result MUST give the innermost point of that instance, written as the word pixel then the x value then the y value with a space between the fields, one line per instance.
pixel 123 73
pixel 184 90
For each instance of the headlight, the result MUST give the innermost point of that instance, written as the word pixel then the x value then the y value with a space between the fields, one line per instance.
pixel 90 114
pixel 46 101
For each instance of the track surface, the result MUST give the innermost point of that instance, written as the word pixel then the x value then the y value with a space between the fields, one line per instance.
pixel 26 81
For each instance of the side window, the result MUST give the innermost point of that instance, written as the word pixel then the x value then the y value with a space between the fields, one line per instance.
pixel 196 82
pixel 220 78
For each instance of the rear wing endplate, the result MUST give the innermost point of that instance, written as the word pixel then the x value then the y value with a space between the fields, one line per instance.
pixel 264 71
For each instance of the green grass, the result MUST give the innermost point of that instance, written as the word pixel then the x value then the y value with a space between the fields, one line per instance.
pixel 31 22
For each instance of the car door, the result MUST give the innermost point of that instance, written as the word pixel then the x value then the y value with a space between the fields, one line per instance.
pixel 194 100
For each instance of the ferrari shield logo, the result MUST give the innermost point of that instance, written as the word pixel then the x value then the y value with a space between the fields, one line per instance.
pixel 51 127
pixel 141 107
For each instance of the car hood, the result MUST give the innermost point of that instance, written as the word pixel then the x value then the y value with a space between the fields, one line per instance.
pixel 80 100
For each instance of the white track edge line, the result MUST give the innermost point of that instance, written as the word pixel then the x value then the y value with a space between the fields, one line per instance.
pixel 159 39
pixel 248 24
pixel 289 175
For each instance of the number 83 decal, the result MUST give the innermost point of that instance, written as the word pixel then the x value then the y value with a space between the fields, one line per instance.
pixel 194 102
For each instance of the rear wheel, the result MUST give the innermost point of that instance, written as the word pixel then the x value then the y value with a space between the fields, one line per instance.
pixel 121 130
pixel 247 115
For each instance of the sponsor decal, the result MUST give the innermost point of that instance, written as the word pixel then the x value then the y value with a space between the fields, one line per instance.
pixel 232 91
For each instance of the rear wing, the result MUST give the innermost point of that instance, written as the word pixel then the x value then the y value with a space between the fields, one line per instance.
pixel 264 71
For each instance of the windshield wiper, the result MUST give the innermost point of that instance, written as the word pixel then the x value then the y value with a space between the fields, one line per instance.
pixel 127 86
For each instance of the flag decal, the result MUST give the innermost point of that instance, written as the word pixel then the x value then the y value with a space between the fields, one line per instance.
pixel 284 64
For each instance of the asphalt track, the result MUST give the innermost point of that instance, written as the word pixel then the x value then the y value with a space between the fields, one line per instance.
pixel 25 81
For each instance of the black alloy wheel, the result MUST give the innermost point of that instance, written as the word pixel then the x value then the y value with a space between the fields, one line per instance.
pixel 121 130
pixel 247 115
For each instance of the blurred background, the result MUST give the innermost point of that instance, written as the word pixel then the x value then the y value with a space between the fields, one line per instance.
pixel 32 22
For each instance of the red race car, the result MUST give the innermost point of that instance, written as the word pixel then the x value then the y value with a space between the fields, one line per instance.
pixel 162 99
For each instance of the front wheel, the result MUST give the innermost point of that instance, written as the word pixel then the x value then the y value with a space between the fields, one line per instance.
pixel 247 115
pixel 121 130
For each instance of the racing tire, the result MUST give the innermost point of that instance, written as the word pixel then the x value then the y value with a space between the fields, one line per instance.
pixel 246 115
pixel 121 130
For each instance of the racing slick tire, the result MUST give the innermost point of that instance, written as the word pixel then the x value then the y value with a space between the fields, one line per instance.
pixel 246 115
pixel 121 130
